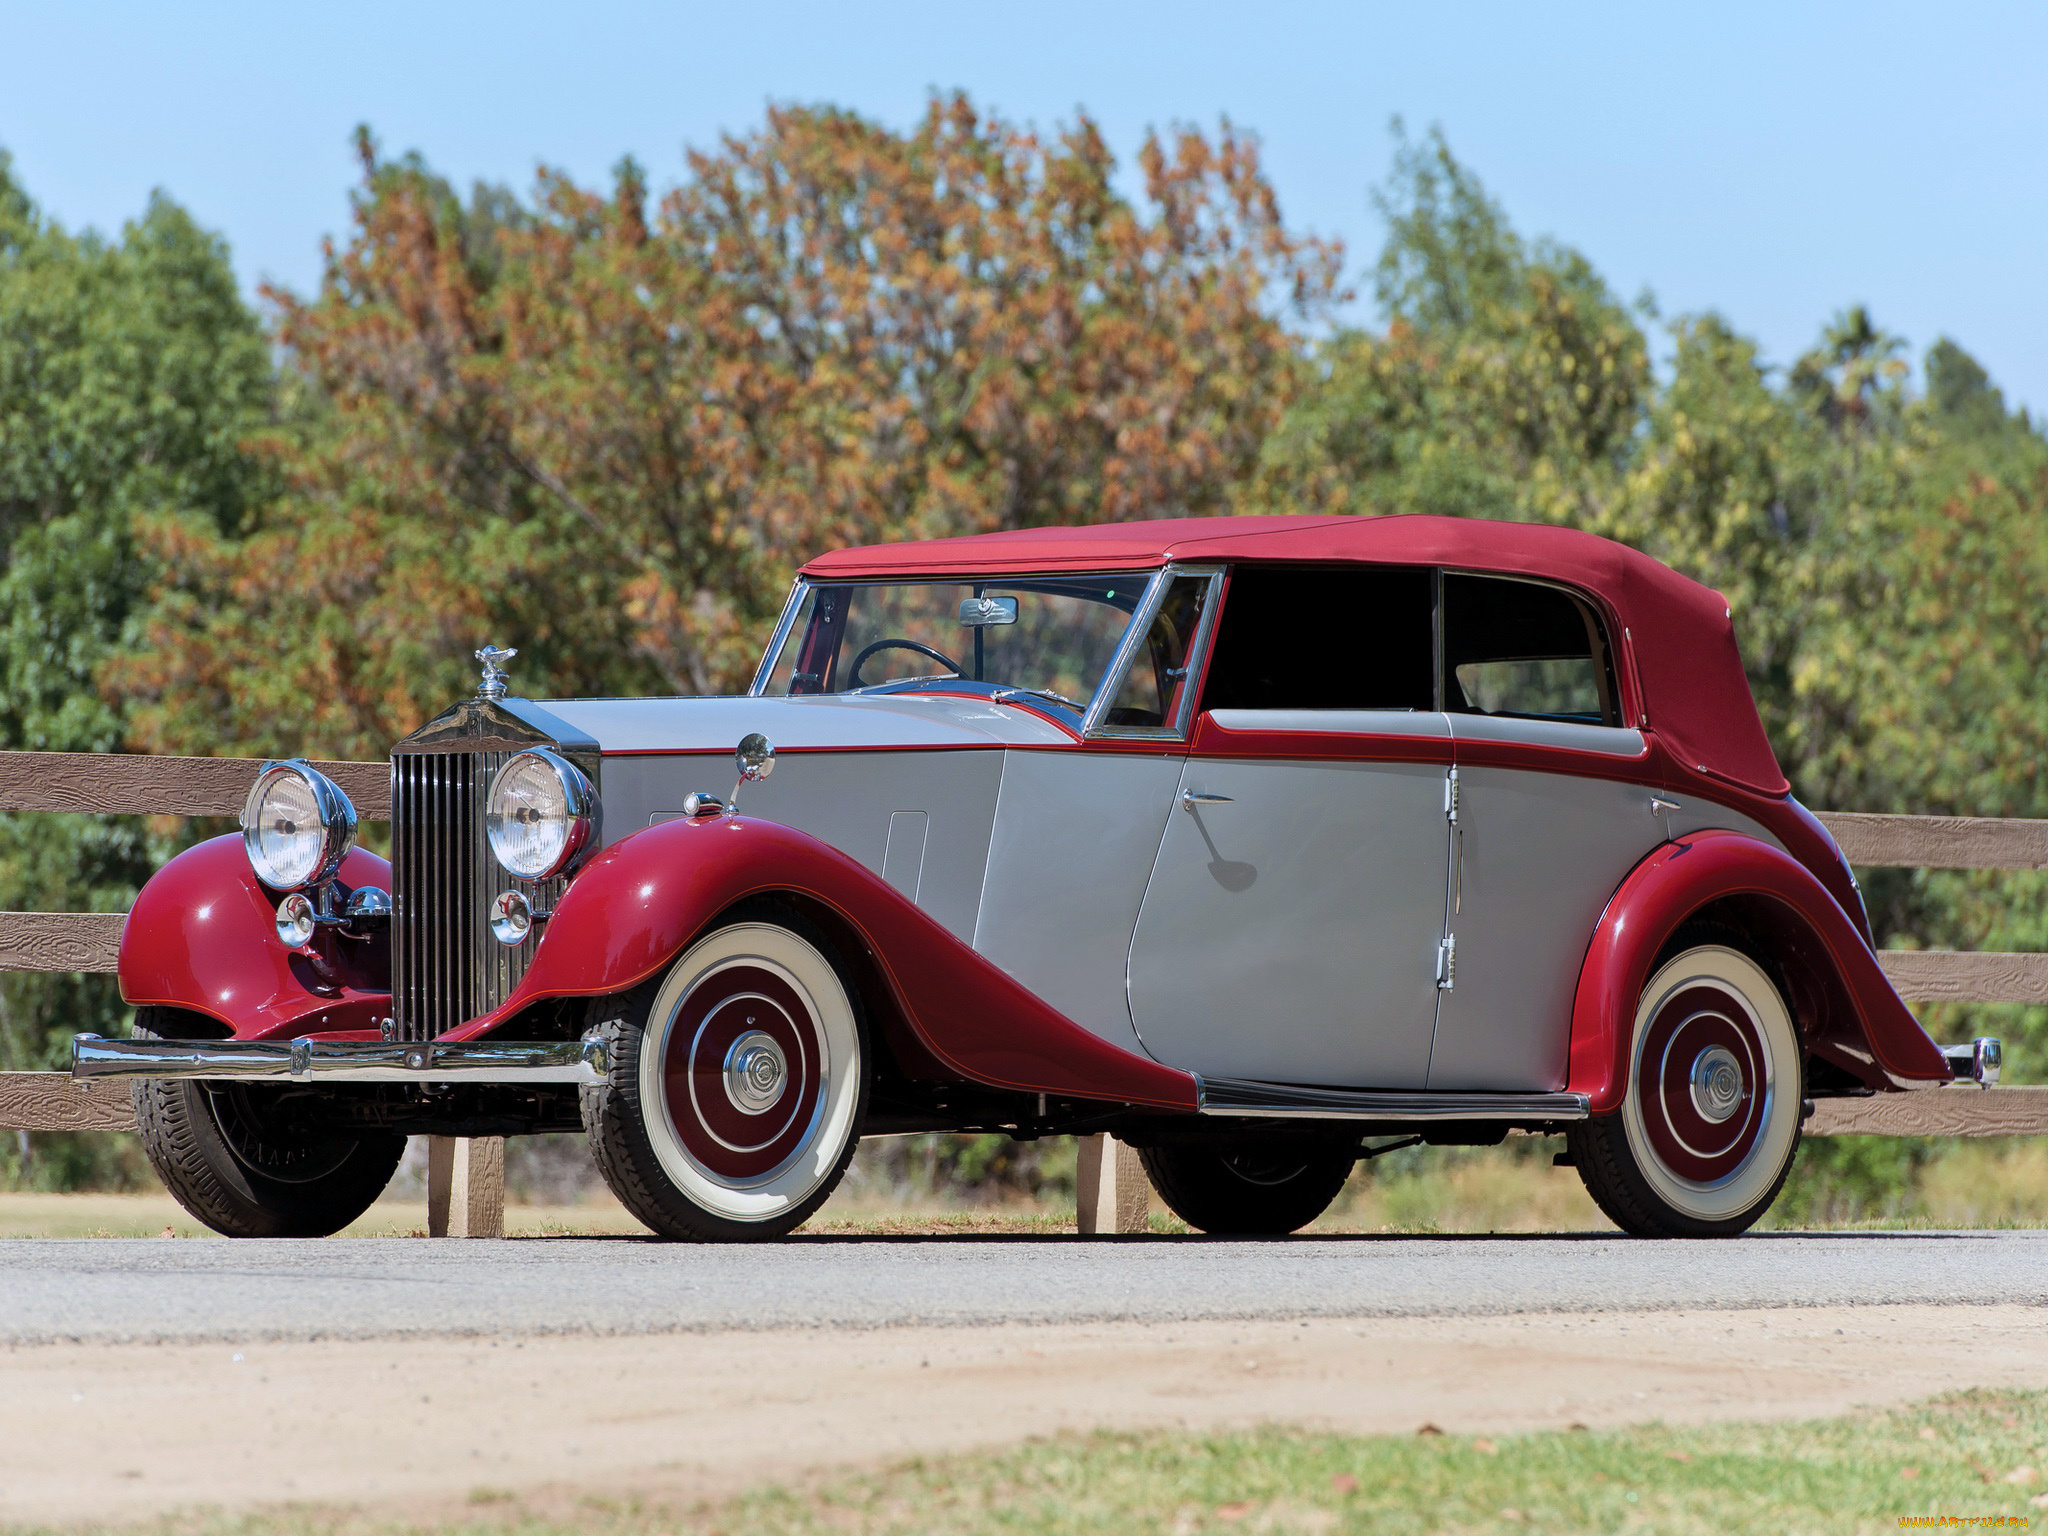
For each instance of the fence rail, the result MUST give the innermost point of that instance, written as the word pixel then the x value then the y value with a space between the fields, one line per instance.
pixel 124 784
pixel 1939 842
pixel 119 784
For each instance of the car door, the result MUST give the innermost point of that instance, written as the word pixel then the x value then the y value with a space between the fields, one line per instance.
pixel 1077 830
pixel 1292 925
pixel 1549 817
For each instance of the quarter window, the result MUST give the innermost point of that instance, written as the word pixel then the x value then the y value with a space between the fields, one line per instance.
pixel 1524 649
pixel 1150 695
pixel 1305 637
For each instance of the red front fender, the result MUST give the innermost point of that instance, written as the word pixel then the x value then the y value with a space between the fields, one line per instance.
pixel 641 901
pixel 202 936
pixel 1847 1010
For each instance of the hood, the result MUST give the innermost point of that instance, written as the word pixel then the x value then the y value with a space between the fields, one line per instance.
pixel 819 723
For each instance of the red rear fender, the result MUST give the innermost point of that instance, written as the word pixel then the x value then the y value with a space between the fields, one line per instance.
pixel 641 901
pixel 1847 1012
pixel 203 937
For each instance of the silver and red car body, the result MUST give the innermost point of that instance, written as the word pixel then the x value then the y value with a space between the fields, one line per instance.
pixel 1380 915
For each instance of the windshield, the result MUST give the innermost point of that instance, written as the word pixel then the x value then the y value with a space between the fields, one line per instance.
pixel 1052 637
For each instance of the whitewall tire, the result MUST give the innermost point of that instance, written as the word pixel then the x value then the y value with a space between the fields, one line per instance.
pixel 1709 1125
pixel 737 1083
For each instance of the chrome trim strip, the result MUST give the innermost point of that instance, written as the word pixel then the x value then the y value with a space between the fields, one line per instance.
pixel 581 1062
pixel 1234 1096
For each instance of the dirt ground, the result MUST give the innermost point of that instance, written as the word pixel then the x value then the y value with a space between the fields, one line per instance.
pixel 426 1427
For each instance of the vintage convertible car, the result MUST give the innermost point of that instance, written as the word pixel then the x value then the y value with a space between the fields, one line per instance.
pixel 1247 840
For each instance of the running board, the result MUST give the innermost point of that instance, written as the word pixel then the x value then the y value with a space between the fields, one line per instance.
pixel 1235 1096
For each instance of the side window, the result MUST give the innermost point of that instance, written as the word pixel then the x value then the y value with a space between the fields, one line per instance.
pixel 1522 648
pixel 1306 637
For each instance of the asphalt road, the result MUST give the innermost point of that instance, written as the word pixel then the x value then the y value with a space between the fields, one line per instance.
pixel 161 1291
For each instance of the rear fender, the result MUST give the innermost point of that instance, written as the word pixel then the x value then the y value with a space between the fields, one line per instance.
pixel 636 906
pixel 202 936
pixel 1847 1012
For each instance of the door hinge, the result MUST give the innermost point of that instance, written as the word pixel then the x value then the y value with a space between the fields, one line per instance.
pixel 1451 795
pixel 1447 962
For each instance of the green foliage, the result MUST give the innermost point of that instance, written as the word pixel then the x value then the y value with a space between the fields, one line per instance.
pixel 130 373
pixel 1508 383
pixel 983 1169
pixel 73 1160
pixel 1883 551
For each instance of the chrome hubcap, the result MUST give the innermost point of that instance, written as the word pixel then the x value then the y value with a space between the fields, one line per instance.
pixel 755 1073
pixel 1717 1090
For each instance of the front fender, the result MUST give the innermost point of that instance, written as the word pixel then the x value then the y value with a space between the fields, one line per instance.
pixel 1848 1012
pixel 640 902
pixel 202 936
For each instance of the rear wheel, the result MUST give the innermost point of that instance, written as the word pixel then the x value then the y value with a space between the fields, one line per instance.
pixel 737 1084
pixel 230 1154
pixel 1254 1188
pixel 1710 1124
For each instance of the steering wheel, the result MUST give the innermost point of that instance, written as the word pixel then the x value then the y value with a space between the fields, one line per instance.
pixel 853 673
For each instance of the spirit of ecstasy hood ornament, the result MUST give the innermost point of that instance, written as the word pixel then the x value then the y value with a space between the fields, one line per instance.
pixel 493 657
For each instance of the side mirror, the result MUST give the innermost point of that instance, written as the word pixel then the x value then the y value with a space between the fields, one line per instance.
pixel 755 759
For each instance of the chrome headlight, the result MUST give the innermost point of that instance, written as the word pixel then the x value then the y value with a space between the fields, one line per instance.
pixel 297 826
pixel 542 814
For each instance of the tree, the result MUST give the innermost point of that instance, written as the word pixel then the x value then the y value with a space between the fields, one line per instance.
pixel 1508 381
pixel 130 372
pixel 610 436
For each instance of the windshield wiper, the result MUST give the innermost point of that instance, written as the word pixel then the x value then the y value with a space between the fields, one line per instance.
pixel 1002 695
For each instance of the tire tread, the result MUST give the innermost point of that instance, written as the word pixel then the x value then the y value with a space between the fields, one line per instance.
pixel 185 1148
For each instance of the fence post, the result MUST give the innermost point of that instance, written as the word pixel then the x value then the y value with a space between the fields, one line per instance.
pixel 1111 1191
pixel 465 1186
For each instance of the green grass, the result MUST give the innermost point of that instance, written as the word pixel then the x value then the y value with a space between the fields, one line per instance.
pixel 1962 1455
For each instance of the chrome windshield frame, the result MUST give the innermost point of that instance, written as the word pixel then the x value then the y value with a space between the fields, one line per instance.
pixel 1138 623
pixel 791 605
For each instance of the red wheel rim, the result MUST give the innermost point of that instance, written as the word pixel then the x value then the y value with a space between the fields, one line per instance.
pixel 1704 1083
pixel 741 1072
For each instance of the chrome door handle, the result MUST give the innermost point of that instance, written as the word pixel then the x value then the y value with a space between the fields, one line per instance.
pixel 1190 798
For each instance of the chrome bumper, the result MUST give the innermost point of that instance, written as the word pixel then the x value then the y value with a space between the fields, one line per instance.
pixel 1977 1062
pixel 581 1062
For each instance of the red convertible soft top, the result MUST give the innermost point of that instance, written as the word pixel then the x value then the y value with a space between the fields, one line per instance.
pixel 1678 633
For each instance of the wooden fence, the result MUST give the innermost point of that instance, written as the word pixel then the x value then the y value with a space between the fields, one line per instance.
pixel 114 784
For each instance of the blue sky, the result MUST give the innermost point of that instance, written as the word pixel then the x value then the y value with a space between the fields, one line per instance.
pixel 1775 162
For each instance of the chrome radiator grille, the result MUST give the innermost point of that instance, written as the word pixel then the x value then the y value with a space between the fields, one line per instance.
pixel 446 967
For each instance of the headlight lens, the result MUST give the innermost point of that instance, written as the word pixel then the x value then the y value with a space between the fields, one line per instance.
pixel 542 814
pixel 297 826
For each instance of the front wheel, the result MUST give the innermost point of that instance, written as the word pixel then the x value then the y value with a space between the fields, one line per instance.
pixel 231 1154
pixel 737 1083
pixel 1710 1123
pixel 1249 1188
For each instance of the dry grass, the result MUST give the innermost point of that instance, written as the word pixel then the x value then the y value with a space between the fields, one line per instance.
pixel 151 1215
pixel 1485 1190
pixel 1514 1188
pixel 1971 1460
pixel 1986 1184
